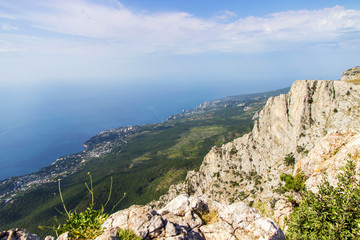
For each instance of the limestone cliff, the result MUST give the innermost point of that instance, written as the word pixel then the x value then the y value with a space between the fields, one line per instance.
pixel 316 120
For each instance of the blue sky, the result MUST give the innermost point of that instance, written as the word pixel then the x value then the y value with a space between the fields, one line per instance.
pixel 259 44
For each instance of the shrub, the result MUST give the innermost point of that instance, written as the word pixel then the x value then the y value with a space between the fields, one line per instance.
pixel 289 159
pixel 295 183
pixel 332 213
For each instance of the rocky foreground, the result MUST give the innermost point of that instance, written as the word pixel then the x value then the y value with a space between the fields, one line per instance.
pixel 183 218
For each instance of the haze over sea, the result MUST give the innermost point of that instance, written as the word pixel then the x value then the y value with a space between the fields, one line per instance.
pixel 39 123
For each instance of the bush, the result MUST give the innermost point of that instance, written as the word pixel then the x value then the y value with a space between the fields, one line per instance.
pixel 295 183
pixel 289 159
pixel 332 213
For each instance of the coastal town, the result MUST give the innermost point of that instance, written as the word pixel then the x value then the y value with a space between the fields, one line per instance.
pixel 97 146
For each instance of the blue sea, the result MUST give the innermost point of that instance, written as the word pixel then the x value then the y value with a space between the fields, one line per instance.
pixel 41 122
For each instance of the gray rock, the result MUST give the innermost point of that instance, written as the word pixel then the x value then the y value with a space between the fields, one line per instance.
pixel 64 236
pixel 17 234
pixel 181 219
pixel 170 230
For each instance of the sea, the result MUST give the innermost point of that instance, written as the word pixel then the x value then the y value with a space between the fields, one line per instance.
pixel 42 122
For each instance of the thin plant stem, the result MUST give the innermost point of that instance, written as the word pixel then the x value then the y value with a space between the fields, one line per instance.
pixel 111 183
pixel 118 202
pixel 62 200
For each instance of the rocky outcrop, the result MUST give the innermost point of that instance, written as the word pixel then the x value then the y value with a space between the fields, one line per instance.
pixel 17 234
pixel 313 113
pixel 193 218
pixel 351 75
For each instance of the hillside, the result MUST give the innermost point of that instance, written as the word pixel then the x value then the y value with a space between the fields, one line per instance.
pixel 143 160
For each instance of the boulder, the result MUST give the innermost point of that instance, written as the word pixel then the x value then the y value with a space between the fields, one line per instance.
pixel 17 234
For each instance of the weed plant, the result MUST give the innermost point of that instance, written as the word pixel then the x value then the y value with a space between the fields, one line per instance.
pixel 84 225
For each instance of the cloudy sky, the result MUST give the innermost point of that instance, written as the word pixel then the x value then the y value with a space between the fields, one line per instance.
pixel 264 43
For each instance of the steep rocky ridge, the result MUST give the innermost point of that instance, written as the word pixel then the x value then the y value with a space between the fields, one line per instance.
pixel 311 115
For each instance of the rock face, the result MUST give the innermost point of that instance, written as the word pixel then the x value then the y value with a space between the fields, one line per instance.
pixel 317 121
pixel 352 74
pixel 193 218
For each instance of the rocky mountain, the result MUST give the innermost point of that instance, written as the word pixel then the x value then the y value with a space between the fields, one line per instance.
pixel 316 123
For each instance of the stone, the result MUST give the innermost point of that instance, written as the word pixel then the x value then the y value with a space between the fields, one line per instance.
pixel 64 236
pixel 110 234
pixel 170 230
pixel 18 234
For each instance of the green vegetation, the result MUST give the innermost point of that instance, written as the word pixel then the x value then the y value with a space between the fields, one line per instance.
pixel 208 217
pixel 126 234
pixel 85 225
pixel 332 213
pixel 289 159
pixel 293 183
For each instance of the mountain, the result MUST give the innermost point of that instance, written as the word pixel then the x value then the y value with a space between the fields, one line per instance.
pixel 316 125
pixel 143 160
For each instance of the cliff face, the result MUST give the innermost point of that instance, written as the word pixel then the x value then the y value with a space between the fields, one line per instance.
pixel 314 115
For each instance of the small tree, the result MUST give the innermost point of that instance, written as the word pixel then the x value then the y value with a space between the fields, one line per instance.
pixel 332 213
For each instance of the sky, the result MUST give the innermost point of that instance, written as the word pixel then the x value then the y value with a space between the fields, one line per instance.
pixel 257 44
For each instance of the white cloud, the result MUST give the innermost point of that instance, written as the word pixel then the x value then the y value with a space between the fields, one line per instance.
pixel 225 15
pixel 8 27
pixel 8 48
pixel 183 33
